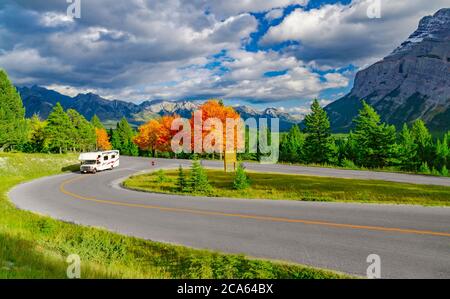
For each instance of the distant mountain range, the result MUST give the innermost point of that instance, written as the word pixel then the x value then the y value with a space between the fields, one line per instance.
pixel 412 82
pixel 40 101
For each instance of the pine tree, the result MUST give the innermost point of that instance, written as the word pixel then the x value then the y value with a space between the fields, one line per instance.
pixel 424 141
pixel 442 152
pixel 291 146
pixel 375 140
pixel 199 178
pixel 37 138
pixel 407 150
pixel 181 180
pixel 13 126
pixel 241 180
pixel 319 142
pixel 123 140
pixel 59 130
pixel 95 121
pixel 84 137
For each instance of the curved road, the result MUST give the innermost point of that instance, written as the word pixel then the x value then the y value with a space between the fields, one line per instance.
pixel 412 241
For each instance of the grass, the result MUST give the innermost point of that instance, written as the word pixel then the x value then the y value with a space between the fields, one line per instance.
pixel 33 246
pixel 303 188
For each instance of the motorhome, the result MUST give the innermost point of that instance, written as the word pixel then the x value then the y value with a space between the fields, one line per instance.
pixel 98 161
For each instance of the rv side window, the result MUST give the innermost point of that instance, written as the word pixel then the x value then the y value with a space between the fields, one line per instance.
pixel 105 158
pixel 113 156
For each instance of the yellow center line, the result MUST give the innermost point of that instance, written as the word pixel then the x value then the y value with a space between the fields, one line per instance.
pixel 247 216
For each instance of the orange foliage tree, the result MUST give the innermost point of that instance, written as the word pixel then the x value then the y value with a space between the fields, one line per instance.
pixel 156 135
pixel 102 140
pixel 215 109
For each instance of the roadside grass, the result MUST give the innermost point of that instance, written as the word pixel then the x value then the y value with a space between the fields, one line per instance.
pixel 302 188
pixel 33 246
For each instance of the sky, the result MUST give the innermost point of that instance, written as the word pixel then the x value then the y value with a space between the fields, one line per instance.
pixel 262 53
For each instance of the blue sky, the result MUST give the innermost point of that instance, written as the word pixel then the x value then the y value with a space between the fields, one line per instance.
pixel 264 53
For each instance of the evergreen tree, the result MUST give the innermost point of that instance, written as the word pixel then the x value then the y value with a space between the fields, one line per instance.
pixel 59 130
pixel 407 150
pixel 241 180
pixel 37 138
pixel 115 140
pixel 13 126
pixel 319 142
pixel 424 141
pixel 375 141
pixel 199 178
pixel 181 180
pixel 95 121
pixel 442 153
pixel 84 137
pixel 291 146
pixel 122 138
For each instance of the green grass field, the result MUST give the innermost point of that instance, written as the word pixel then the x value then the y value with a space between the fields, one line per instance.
pixel 33 246
pixel 303 188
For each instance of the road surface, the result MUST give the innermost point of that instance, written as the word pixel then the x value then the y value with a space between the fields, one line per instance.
pixel 412 241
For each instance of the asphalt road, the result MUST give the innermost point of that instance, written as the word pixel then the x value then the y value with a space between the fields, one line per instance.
pixel 412 241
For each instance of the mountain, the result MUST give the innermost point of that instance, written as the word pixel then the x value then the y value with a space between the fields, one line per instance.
pixel 39 100
pixel 412 82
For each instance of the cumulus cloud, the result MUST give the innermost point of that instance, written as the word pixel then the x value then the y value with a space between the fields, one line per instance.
pixel 147 49
pixel 339 34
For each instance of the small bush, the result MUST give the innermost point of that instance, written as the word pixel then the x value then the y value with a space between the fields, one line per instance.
pixel 444 171
pixel 424 169
pixel 241 180
pixel 161 176
pixel 349 164
pixel 435 172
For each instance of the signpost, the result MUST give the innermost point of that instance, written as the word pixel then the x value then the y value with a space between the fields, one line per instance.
pixel 230 158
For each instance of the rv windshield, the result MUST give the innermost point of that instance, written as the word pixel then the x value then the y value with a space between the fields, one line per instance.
pixel 88 162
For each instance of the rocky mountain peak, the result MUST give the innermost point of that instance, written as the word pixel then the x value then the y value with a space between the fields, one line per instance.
pixel 436 27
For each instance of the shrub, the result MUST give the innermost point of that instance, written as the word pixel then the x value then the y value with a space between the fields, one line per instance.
pixel 424 169
pixel 161 176
pixel 241 180
pixel 435 172
pixel 349 164
pixel 444 171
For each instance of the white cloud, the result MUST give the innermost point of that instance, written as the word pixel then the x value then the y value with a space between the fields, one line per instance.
pixel 274 14
pixel 340 34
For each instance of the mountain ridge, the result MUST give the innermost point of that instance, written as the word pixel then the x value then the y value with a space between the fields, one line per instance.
pixel 410 83
pixel 39 100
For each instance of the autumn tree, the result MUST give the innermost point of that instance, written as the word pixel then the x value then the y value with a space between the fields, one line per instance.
pixel 102 140
pixel 215 109
pixel 156 135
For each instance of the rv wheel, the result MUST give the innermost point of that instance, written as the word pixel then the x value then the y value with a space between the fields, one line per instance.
pixel 94 171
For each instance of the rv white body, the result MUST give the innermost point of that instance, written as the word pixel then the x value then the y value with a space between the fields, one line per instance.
pixel 98 161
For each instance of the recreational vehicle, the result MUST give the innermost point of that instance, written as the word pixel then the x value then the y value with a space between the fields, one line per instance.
pixel 98 161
